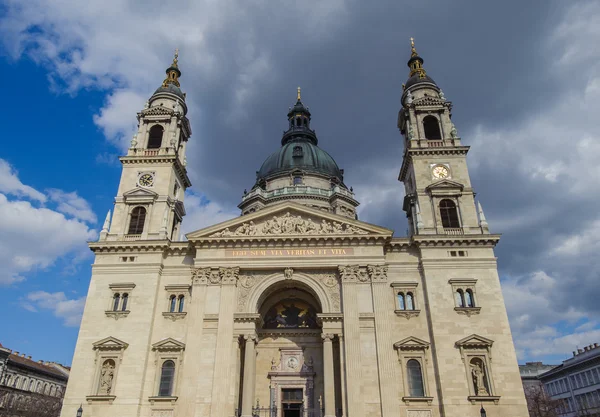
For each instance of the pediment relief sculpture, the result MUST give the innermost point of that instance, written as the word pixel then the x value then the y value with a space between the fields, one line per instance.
pixel 289 224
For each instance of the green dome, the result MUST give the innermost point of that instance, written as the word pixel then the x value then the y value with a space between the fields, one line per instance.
pixel 303 155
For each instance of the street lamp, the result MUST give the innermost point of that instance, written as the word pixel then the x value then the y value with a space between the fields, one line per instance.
pixel 80 411
pixel 482 412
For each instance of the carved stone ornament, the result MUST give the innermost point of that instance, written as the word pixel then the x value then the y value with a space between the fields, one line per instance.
pixel 468 311
pixel 378 272
pixel 289 224
pixel 116 314
pixel 229 275
pixel 288 273
pixel 246 282
pixel 349 273
pixel 332 286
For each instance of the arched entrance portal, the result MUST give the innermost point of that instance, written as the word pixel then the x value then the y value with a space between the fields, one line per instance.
pixel 289 361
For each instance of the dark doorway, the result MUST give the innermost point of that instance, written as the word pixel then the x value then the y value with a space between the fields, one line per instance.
pixel 291 403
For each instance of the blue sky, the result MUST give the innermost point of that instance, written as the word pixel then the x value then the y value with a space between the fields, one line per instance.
pixel 525 88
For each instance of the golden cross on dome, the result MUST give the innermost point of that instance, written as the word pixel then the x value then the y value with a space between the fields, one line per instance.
pixel 176 57
pixel 298 93
pixel 413 51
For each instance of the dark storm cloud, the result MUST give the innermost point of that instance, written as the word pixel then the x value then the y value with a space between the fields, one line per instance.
pixel 523 78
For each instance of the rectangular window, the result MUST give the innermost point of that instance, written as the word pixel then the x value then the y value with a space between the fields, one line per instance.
pixel 292 394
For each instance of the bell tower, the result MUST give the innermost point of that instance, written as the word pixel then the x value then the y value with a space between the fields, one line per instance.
pixel 439 198
pixel 149 201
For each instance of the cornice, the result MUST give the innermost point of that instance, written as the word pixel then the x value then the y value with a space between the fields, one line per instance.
pixel 283 241
pixel 488 241
pixel 128 247
pixel 169 158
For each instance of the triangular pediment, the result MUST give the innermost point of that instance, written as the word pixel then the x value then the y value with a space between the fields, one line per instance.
pixel 445 187
pixel 110 343
pixel 288 219
pixel 412 343
pixel 157 111
pixel 429 101
pixel 168 344
pixel 140 195
pixel 139 192
pixel 475 341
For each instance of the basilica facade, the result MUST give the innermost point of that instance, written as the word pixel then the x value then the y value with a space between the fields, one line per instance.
pixel 296 307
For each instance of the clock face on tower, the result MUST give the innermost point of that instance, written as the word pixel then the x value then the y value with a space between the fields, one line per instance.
pixel 440 172
pixel 146 179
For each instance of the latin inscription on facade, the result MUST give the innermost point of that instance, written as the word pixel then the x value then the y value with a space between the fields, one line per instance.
pixel 258 253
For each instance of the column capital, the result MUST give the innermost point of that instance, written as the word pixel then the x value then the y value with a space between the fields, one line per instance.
pixel 229 276
pixel 250 337
pixel 378 273
pixel 353 273
pixel 327 337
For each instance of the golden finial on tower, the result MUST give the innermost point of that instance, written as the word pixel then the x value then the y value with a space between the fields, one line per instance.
pixel 175 59
pixel 173 72
pixel 298 93
pixel 413 51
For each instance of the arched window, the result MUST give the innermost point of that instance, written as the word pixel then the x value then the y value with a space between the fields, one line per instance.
pixel 449 214
pixel 172 303
pixel 116 301
pixel 15 382
pixel 401 302
pixel 431 128
pixel 39 387
pixel 31 385
pixel 53 391
pixel 167 375
pixel 181 299
pixel 297 180
pixel 136 223
pixel 469 299
pixel 410 303
pixel 124 299
pixel 459 298
pixel 415 378
pixel 155 138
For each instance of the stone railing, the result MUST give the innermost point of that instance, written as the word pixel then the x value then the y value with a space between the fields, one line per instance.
pixel 454 231
pixel 298 190
pixel 132 237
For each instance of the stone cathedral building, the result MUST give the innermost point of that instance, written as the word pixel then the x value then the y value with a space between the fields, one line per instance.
pixel 296 307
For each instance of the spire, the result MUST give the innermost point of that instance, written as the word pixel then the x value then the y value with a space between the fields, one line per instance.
pixel 482 221
pixel 299 97
pixel 173 72
pixel 105 227
pixel 415 63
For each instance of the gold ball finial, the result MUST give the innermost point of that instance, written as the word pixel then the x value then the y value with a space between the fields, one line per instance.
pixel 298 93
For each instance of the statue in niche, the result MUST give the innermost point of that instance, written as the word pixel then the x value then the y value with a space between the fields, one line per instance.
pixel 479 377
pixel 106 377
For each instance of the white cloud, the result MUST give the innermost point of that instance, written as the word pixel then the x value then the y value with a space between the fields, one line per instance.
pixel 35 237
pixel 69 310
pixel 202 213
pixel 10 184
pixel 72 204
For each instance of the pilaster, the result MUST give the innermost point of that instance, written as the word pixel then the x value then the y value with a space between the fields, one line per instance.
pixel 383 311
pixel 221 380
pixel 349 276
pixel 192 364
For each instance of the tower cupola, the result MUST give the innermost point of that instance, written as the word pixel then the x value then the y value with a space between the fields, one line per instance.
pixel 417 74
pixel 299 124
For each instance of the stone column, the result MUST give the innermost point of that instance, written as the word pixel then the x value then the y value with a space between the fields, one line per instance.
pixel 191 369
pixel 249 375
pixel 383 309
pixel 349 275
pixel 222 372
pixel 328 375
